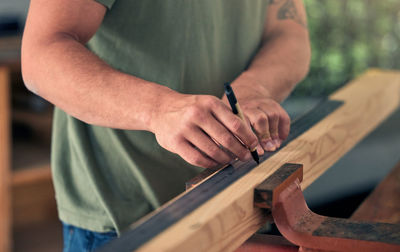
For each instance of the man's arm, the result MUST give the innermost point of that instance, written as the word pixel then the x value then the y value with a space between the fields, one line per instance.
pixel 57 66
pixel 282 62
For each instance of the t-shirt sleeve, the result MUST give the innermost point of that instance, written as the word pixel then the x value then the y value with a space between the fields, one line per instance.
pixel 107 3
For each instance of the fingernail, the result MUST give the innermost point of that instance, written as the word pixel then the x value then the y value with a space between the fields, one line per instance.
pixel 277 143
pixel 269 146
pixel 260 150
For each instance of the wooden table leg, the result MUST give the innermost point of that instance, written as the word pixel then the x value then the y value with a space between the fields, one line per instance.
pixel 5 178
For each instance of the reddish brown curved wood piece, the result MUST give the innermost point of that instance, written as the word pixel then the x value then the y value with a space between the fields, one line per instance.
pixel 301 226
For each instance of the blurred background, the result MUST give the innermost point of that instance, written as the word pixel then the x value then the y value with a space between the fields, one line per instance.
pixel 348 37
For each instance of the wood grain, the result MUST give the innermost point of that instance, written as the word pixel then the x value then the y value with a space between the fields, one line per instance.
pixel 228 219
pixel 5 143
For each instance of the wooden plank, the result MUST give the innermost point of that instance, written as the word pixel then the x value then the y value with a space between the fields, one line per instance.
pixel 383 204
pixel 5 144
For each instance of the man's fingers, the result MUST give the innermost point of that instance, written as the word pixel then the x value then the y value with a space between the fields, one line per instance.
pixel 224 137
pixel 260 123
pixel 193 156
pixel 284 125
pixel 235 125
pixel 279 124
pixel 273 121
pixel 205 144
pixel 260 150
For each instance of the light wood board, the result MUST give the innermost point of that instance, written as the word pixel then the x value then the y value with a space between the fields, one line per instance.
pixel 224 222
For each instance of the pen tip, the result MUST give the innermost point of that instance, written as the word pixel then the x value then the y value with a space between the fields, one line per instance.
pixel 255 156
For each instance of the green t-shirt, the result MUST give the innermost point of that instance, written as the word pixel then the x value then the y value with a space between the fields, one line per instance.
pixel 105 179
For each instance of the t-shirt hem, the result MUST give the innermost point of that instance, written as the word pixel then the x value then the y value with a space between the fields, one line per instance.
pixel 93 223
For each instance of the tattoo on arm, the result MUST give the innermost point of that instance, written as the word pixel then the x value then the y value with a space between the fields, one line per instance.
pixel 289 11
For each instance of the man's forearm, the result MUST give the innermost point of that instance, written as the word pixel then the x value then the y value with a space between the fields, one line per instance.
pixel 282 62
pixel 284 57
pixel 64 72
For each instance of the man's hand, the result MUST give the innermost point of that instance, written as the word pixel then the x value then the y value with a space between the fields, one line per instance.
pixel 193 126
pixel 268 119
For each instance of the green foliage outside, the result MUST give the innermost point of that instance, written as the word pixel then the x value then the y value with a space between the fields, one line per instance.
pixel 349 36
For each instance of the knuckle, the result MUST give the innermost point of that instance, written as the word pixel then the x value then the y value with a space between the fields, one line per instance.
pixel 236 125
pixel 254 141
pixel 197 160
pixel 261 120
pixel 210 100
pixel 193 112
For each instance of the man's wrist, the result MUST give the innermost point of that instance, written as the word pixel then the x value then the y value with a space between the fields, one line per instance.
pixel 161 103
pixel 248 80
